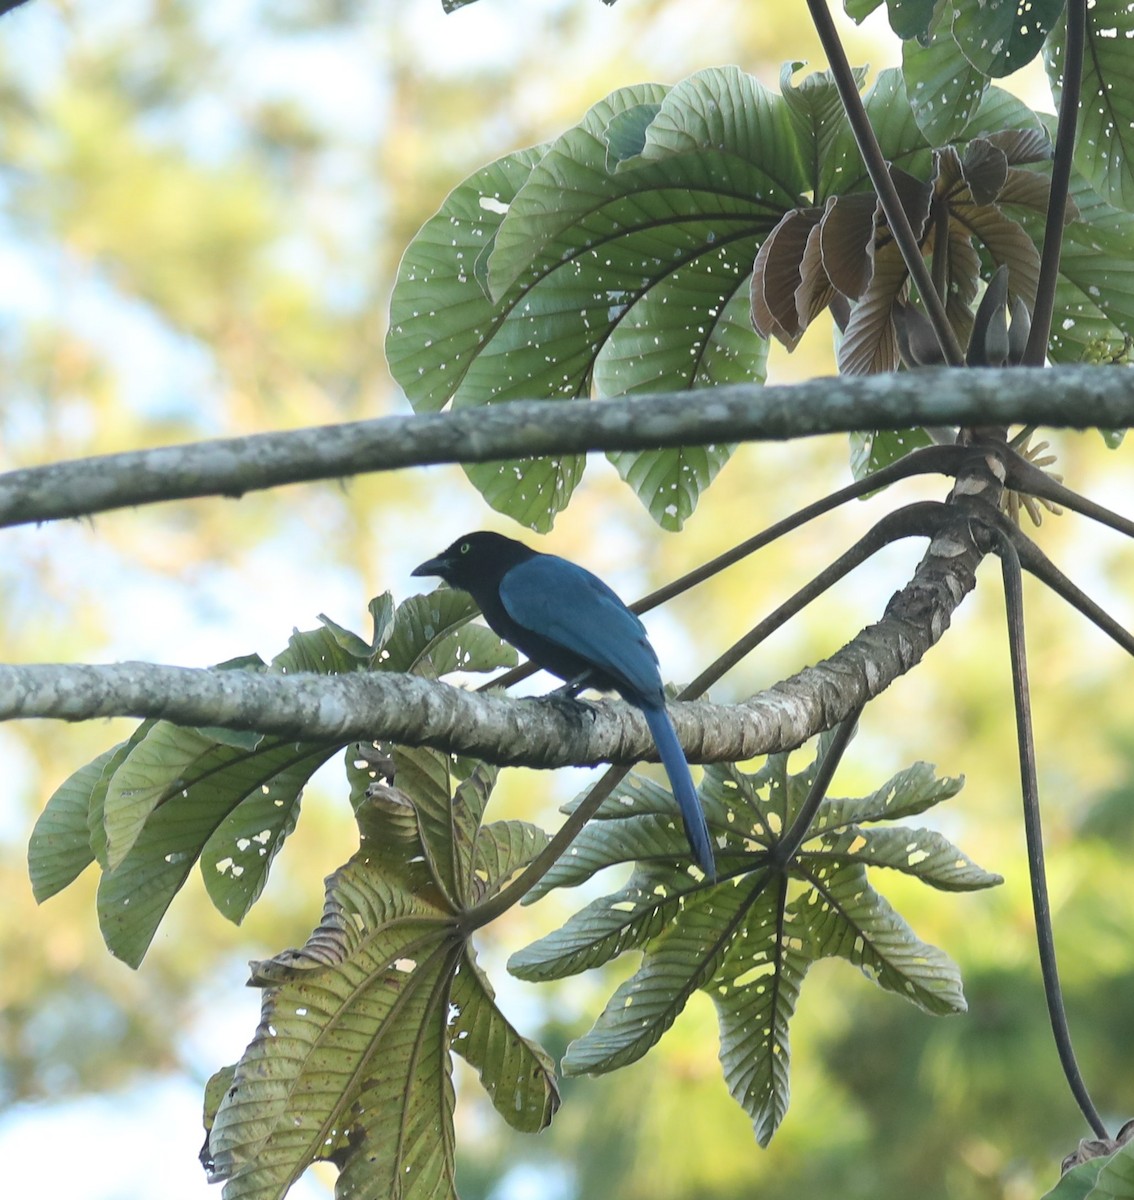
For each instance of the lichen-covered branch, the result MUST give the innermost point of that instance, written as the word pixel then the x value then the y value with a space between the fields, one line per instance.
pixel 528 732
pixel 1074 397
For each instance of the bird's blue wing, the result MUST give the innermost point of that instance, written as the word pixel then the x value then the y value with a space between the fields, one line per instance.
pixel 565 603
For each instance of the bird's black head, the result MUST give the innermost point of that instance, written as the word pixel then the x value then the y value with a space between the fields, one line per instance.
pixel 476 560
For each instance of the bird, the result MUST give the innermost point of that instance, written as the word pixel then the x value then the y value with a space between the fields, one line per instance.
pixel 567 621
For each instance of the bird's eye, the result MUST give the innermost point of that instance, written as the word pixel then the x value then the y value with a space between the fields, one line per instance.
pixel 465 547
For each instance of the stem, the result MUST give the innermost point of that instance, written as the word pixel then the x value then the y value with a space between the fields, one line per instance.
pixel 1035 353
pixel 940 263
pixel 788 846
pixel 1041 905
pixel 1033 560
pixel 1022 476
pixel 879 172
pixel 495 906
pixel 921 519
pixel 940 460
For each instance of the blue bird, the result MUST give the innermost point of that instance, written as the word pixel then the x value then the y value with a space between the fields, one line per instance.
pixel 568 622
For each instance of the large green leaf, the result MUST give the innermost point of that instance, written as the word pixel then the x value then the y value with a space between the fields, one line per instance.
pixel 1094 300
pixel 669 482
pixel 1104 143
pixel 1100 1177
pixel 351 1061
pixel 944 88
pixel 60 846
pixel 516 1072
pixel 903 144
pixel 207 820
pixel 1001 36
pixel 613 259
pixel 172 796
pixel 817 115
pixel 749 939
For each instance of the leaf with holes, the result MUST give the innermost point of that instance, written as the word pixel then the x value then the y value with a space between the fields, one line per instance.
pixel 1094 300
pixel 171 796
pixel 816 112
pixel 1001 36
pixel 911 18
pixel 1104 142
pixel 63 843
pixel 749 939
pixel 351 1061
pixel 606 263
pixel 944 88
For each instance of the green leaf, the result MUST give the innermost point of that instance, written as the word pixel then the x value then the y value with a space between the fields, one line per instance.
pixel 629 919
pixel 859 10
pixel 903 144
pixel 175 765
pixel 683 957
pixel 1001 36
pixel 96 826
pixel 872 451
pixel 911 18
pixel 351 1061
pixel 944 88
pixel 1104 142
pixel 749 939
pixel 1116 1179
pixel 1100 1177
pixel 502 848
pixel 846 918
pixel 517 1074
pixel 670 482
pixel 756 993
pixel 1094 299
pixel 614 270
pixel 1079 1182
pixel 219 1083
pixel 441 318
pixel 237 853
pixel 60 846
pixel 176 795
pixel 431 636
pixel 625 136
pixel 924 853
pixel 817 116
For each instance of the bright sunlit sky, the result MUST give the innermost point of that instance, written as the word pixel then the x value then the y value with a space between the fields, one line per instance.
pixel 112 1147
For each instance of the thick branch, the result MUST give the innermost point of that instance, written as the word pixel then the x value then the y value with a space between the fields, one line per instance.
pixel 1074 397
pixel 404 708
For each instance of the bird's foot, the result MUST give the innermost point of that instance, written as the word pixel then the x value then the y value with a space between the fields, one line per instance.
pixel 566 699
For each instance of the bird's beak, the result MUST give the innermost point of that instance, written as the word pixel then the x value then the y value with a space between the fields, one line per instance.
pixel 432 566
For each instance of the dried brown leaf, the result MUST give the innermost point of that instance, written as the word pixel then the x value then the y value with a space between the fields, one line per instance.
pixel 870 343
pixel 776 276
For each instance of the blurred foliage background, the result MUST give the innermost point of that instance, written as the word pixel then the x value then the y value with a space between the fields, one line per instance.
pixel 201 210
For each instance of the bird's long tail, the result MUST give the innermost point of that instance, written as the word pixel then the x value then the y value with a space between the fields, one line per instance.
pixel 692 815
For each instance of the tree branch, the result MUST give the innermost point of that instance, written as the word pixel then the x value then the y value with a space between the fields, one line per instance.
pixel 519 732
pixel 1070 397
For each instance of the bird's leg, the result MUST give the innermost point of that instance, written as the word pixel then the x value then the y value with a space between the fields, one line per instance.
pixel 571 689
pixel 567 694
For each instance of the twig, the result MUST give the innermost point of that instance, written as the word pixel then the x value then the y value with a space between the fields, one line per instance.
pixel 1023 476
pixel 924 518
